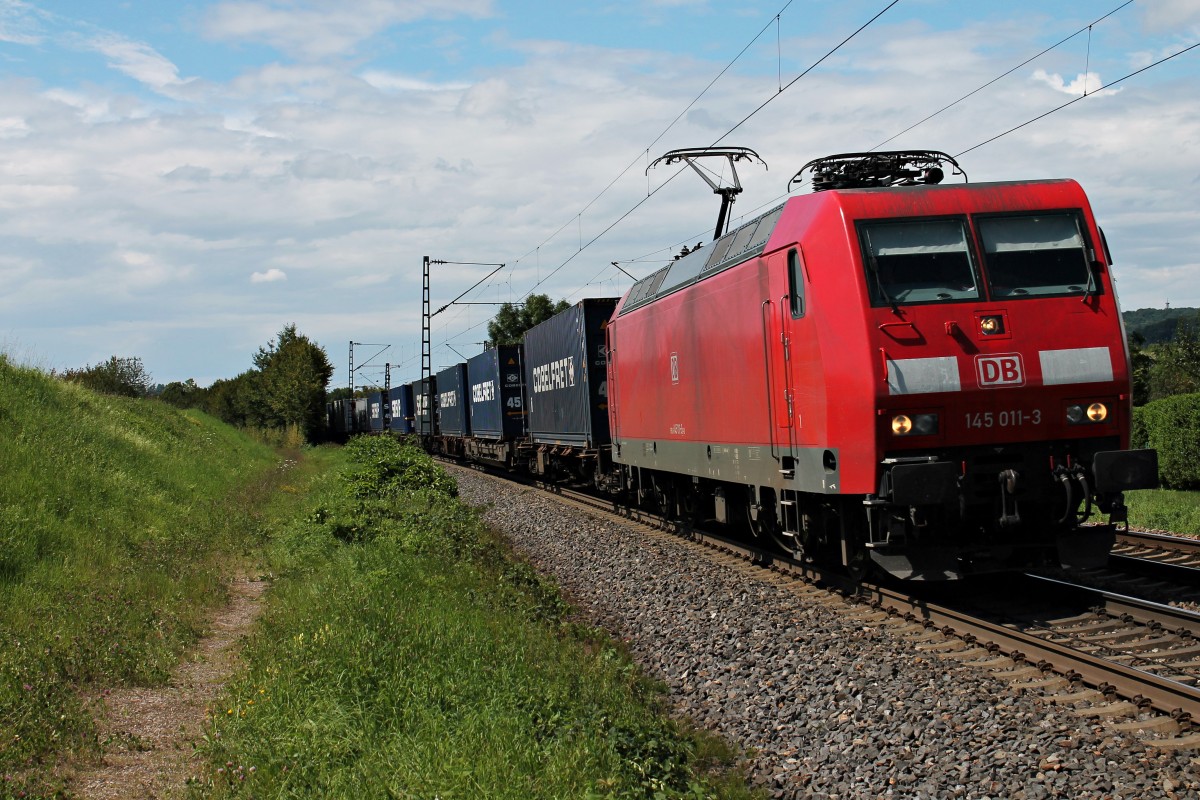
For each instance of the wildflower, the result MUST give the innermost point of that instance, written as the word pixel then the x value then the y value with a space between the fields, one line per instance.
pixel 27 687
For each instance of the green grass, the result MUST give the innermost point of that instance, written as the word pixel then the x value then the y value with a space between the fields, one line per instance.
pixel 1165 509
pixel 405 653
pixel 119 519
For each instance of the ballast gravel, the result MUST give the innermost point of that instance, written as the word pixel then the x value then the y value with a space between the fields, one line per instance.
pixel 826 706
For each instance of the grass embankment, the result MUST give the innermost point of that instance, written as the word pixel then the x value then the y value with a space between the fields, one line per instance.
pixel 1165 510
pixel 119 519
pixel 404 653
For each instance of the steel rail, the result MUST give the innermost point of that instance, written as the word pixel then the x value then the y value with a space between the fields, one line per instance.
pixel 1167 696
pixel 1183 544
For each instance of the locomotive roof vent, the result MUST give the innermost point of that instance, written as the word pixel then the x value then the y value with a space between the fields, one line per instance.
pixel 875 170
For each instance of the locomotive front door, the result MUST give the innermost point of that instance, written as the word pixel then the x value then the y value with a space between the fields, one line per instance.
pixel 786 305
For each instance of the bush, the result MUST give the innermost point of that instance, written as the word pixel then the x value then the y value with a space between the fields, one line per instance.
pixel 1139 436
pixel 126 377
pixel 1172 427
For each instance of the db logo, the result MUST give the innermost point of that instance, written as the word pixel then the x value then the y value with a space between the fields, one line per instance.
pixel 1002 370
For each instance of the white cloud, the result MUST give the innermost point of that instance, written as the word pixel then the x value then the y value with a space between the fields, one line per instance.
pixel 394 82
pixel 138 60
pixel 19 23
pixel 270 276
pixel 1083 83
pixel 317 30
pixel 1171 15
pixel 13 128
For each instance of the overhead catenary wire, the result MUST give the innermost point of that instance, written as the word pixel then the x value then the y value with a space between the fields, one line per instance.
pixel 1008 72
pixel 920 122
pixel 1077 99
pixel 651 192
pixel 645 153
pixel 719 139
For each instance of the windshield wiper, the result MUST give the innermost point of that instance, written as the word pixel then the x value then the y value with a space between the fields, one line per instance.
pixel 874 265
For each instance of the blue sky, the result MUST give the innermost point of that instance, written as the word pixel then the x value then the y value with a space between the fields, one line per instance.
pixel 180 180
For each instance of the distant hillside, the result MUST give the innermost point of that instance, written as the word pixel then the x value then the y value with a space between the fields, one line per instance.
pixel 1157 325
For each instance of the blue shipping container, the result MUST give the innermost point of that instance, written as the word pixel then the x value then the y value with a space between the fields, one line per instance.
pixel 402 408
pixel 566 375
pixel 453 416
pixel 375 405
pixel 497 400
pixel 424 403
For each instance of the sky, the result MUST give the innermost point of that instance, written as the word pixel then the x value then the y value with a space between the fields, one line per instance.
pixel 180 180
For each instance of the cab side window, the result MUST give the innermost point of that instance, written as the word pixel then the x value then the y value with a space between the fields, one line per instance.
pixel 796 283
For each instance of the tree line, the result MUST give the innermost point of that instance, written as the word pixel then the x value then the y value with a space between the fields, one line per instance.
pixel 283 392
pixel 1167 368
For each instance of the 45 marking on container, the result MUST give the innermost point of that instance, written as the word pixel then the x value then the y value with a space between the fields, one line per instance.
pixel 1003 369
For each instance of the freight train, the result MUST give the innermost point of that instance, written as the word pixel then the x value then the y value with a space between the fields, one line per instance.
pixel 887 373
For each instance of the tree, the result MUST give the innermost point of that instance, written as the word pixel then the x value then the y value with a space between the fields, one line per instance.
pixel 512 321
pixel 1140 364
pixel 119 376
pixel 181 394
pixel 1176 367
pixel 294 372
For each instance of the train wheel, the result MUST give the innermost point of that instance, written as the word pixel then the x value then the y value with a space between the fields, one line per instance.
pixel 766 527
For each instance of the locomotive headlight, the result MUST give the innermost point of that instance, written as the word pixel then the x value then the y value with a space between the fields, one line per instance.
pixel 1079 415
pixel 916 425
pixel 991 326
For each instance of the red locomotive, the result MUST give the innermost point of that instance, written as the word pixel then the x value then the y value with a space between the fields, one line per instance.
pixel 933 378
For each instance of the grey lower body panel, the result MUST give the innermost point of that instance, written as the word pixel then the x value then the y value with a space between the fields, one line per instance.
pixel 735 463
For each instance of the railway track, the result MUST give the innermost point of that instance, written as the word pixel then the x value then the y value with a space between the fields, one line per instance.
pixel 1133 663
pixel 1164 569
pixel 1155 555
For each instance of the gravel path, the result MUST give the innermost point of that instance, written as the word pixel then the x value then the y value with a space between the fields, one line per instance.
pixel 150 733
pixel 830 708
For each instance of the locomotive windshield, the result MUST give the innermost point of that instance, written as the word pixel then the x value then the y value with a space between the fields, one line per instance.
pixel 1042 254
pixel 918 261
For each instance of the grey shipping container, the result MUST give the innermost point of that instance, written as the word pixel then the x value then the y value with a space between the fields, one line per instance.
pixel 338 417
pixel 497 401
pixel 402 408
pixel 566 381
pixel 362 415
pixel 453 416
pixel 375 405
pixel 424 402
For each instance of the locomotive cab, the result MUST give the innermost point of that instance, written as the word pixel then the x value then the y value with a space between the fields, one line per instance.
pixel 1003 401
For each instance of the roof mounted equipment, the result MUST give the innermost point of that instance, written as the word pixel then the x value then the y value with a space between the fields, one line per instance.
pixel 874 170
pixel 728 193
